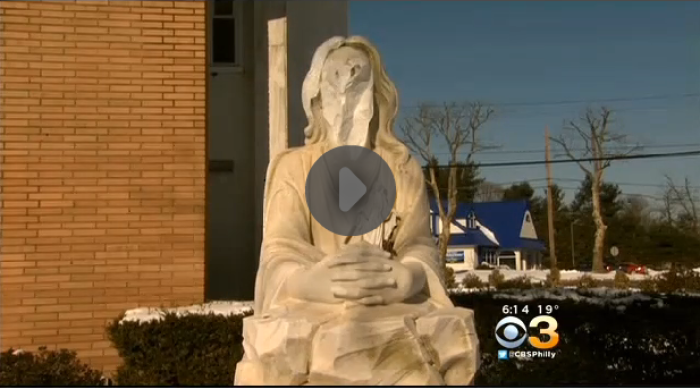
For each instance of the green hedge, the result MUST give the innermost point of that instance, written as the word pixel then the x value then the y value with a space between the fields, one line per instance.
pixel 46 368
pixel 673 281
pixel 653 342
pixel 189 350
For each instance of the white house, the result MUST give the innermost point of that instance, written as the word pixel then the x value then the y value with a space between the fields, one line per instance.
pixel 497 233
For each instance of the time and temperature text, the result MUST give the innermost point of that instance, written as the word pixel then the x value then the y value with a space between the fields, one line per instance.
pixel 529 309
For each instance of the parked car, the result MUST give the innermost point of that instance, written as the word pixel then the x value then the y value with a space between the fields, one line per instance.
pixel 632 268
pixel 588 267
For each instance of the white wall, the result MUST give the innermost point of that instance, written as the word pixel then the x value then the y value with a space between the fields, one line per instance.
pixel 528 228
pixel 453 228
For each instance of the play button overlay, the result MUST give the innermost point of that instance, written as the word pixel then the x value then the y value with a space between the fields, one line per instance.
pixel 350 190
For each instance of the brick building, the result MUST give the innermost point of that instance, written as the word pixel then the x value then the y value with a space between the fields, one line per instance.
pixel 133 146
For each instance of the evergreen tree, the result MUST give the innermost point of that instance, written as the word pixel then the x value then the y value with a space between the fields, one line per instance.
pixel 468 180
pixel 519 191
pixel 582 217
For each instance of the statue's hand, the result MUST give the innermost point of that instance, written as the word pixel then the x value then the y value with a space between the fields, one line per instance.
pixel 401 282
pixel 373 278
pixel 351 274
pixel 359 271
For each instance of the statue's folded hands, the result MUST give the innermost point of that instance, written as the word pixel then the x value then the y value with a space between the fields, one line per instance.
pixel 361 273
pixel 354 273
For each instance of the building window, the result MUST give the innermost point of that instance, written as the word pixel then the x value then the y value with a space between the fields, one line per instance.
pixel 224 29
pixel 471 221
pixel 507 258
pixel 488 255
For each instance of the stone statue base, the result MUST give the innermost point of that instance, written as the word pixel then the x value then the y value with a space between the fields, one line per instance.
pixel 361 348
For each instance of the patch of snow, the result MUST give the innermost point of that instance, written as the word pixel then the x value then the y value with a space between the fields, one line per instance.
pixel 688 294
pixel 488 233
pixel 541 275
pixel 598 296
pixel 223 308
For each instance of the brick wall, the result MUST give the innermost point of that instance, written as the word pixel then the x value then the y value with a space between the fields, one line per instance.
pixel 102 142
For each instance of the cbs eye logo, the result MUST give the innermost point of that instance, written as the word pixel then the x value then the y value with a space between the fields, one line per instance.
pixel 513 332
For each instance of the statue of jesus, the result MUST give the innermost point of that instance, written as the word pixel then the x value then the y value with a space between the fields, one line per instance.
pixel 352 310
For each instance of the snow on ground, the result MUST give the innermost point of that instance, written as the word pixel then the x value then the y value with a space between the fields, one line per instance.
pixel 223 308
pixel 541 275
pixel 597 296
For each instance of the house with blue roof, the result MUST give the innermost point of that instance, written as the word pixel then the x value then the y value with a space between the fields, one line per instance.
pixel 499 233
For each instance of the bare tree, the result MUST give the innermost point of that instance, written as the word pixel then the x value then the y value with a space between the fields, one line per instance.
pixel 456 128
pixel 599 147
pixel 488 191
pixel 667 211
pixel 681 202
pixel 639 208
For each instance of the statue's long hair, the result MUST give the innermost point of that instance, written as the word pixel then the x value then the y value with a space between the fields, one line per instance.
pixel 385 98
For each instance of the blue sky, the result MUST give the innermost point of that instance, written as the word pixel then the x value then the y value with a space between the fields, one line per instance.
pixel 525 56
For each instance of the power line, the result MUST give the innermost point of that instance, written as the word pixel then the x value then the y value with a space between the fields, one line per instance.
pixel 559 111
pixel 577 180
pixel 572 188
pixel 610 158
pixel 608 100
pixel 541 151
pixel 605 100
pixel 659 198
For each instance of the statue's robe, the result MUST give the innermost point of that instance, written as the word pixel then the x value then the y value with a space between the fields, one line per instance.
pixel 424 341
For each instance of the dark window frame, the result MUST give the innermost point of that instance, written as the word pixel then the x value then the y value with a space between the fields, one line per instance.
pixel 236 17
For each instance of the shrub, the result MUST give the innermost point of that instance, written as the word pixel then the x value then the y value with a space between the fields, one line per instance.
pixel 496 278
pixel 184 350
pixel 46 368
pixel 472 281
pixel 553 277
pixel 586 281
pixel 649 343
pixel 676 280
pixel 450 281
pixel 621 281
pixel 522 282
pixel 648 285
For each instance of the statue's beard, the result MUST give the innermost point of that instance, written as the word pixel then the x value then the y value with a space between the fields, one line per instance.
pixel 348 119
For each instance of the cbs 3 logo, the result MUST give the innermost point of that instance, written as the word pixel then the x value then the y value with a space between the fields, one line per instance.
pixel 513 332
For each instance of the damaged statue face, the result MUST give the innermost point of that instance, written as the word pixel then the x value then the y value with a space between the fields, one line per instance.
pixel 346 94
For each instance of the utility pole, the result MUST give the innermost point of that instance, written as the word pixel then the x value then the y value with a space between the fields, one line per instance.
pixel 550 201
pixel 573 250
